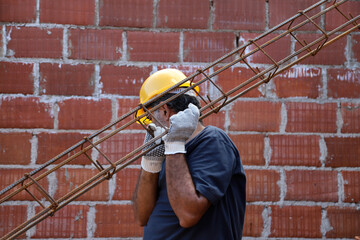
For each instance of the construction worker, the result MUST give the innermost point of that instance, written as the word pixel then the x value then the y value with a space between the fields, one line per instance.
pixel 192 185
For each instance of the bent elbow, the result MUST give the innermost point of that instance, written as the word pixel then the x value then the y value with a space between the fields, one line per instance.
pixel 141 221
pixel 188 221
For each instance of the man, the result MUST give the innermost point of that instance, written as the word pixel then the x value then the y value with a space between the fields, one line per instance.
pixel 192 185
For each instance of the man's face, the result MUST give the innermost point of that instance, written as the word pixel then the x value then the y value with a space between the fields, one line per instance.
pixel 160 117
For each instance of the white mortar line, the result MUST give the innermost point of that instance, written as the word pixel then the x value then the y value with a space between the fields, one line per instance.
pixel 34 150
pixel 325 224
pixel 31 213
pixel 97 13
pixel 324 83
pixel 91 223
pixel 339 119
pixel 341 191
pixel 155 12
pixel 65 50
pixel 323 151
pixel 36 78
pixel 4 41
pixel 53 183
pixel 181 47
pixel 266 215
pixel 267 15
pixel 55 110
pixel 211 15
pixel 37 12
pixel 267 151
pixel 282 185
pixel 96 81
pixel 124 56
pixel 283 116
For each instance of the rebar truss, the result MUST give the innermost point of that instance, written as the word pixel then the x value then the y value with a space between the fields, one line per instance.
pixel 211 104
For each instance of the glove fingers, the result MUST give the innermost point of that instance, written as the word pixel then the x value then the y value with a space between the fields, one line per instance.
pixel 194 109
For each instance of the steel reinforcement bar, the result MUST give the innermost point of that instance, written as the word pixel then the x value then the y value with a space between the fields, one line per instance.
pixel 216 98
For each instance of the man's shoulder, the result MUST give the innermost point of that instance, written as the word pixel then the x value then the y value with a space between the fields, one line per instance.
pixel 209 134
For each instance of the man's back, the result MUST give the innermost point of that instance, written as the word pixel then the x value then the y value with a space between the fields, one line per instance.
pixel 218 174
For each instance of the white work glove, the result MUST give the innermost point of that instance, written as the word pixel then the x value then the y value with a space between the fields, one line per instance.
pixel 152 160
pixel 182 126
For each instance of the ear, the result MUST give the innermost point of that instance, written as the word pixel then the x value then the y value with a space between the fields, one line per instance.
pixel 168 112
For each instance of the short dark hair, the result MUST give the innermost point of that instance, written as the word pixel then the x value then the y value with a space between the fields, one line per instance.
pixel 178 104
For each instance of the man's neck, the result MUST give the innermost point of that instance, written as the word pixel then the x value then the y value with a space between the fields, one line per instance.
pixel 198 129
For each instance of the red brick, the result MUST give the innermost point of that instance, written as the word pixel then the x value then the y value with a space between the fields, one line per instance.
pixel 351 186
pixel 351 117
pixel 84 114
pixel 192 14
pixel 120 145
pixel 123 80
pixel 276 50
pixel 244 15
pixel 207 46
pixel 355 40
pixel 105 44
pixel 66 79
pixel 345 222
pixel 335 19
pixel 126 181
pixel 68 222
pixel 262 185
pixel 10 176
pixel 11 217
pixel 281 10
pixel 311 185
pixel 116 221
pixel 21 112
pixel 150 46
pixel 251 148
pixel 331 55
pixel 67 12
pixel 299 82
pixel 342 152
pixel 216 119
pixel 311 117
pixel 234 76
pixel 125 106
pixel 34 42
pixel 11 143
pixel 16 78
pixel 51 145
pixel 253 225
pixel 126 13
pixel 255 116
pixel 69 179
pixel 295 150
pixel 343 83
pixel 18 11
pixel 296 221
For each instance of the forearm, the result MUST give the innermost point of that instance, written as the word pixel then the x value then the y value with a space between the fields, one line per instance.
pixel 187 203
pixel 144 197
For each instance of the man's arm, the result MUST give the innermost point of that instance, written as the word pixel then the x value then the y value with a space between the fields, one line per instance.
pixel 145 196
pixel 188 205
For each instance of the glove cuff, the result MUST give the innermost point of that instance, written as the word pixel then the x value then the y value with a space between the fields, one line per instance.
pixel 174 147
pixel 152 164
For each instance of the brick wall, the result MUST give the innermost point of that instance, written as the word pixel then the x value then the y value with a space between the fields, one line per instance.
pixel 68 68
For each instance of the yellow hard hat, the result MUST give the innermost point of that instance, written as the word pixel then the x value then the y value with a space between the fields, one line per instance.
pixel 159 82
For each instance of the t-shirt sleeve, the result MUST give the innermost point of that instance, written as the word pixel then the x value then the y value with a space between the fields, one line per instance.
pixel 211 162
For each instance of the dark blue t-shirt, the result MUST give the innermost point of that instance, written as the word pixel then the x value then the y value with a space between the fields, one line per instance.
pixel 218 174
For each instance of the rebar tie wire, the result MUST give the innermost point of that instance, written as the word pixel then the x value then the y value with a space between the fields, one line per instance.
pixel 210 106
